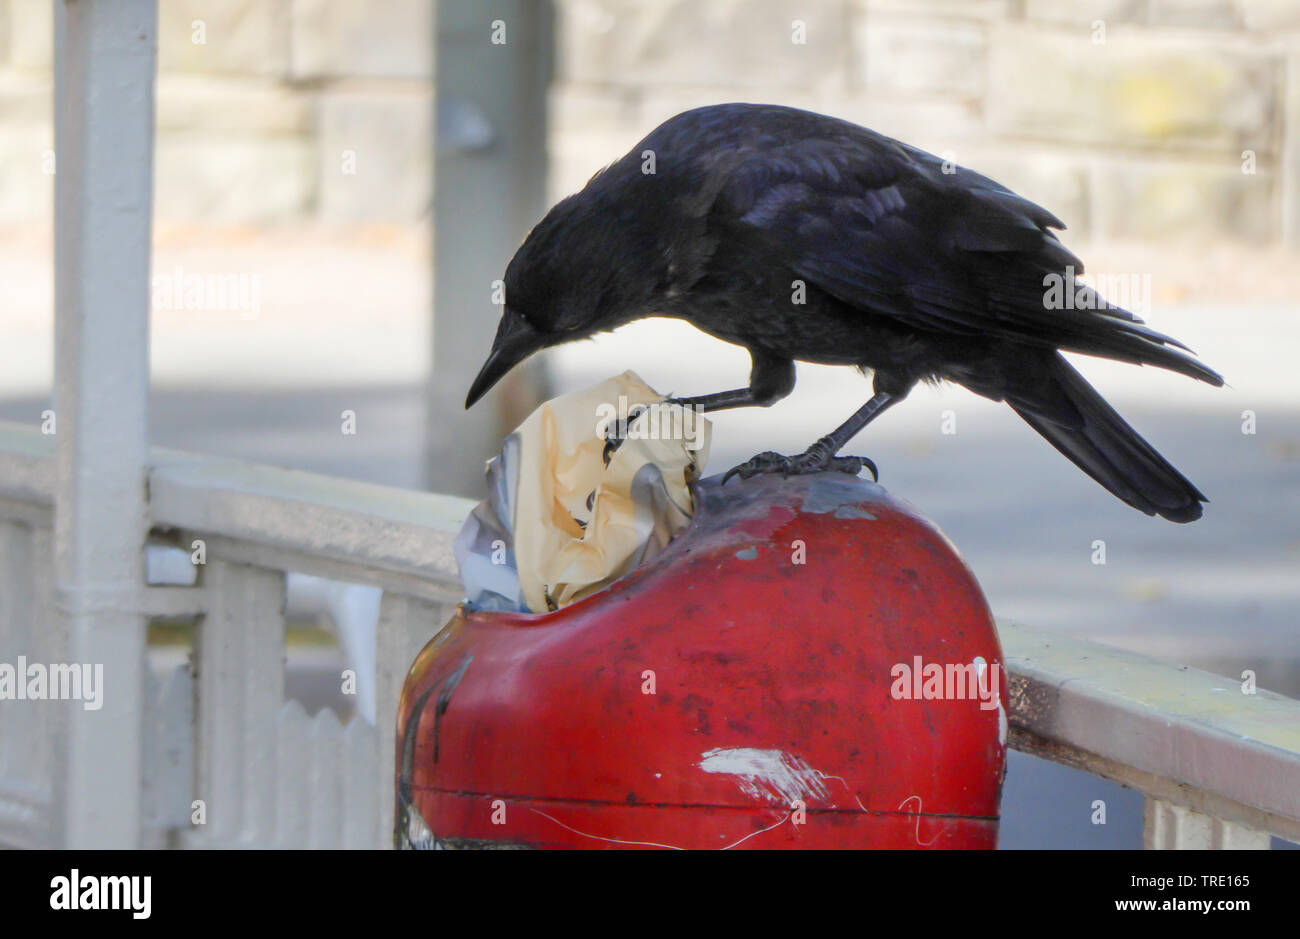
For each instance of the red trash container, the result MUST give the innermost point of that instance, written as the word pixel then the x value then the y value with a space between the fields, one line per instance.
pixel 809 665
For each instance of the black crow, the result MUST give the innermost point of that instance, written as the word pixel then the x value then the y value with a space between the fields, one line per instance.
pixel 800 236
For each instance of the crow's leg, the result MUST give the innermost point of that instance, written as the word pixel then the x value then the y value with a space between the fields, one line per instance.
pixel 770 380
pixel 821 455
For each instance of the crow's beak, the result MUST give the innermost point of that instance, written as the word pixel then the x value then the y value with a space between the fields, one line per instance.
pixel 516 340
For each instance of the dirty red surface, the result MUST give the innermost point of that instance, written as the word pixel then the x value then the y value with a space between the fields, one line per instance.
pixel 744 689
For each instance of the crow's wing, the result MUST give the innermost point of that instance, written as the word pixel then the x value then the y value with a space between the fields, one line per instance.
pixel 891 229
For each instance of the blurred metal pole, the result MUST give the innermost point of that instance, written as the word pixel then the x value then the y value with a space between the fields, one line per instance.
pixel 492 70
pixel 104 66
pixel 1289 184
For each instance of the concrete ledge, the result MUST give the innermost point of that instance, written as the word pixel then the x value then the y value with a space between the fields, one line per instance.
pixel 1177 734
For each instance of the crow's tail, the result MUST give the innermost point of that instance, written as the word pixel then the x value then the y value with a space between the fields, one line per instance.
pixel 1076 420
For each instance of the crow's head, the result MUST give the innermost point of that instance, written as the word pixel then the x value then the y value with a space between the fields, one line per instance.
pixel 580 271
pixel 516 340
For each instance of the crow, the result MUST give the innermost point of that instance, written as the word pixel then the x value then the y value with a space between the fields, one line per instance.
pixel 804 237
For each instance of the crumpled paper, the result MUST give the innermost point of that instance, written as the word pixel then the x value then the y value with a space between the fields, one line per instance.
pixel 558 524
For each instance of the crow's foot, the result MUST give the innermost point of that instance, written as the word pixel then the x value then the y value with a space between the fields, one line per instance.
pixel 617 431
pixel 816 459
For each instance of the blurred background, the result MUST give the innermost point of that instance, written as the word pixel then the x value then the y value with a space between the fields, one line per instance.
pixel 338 182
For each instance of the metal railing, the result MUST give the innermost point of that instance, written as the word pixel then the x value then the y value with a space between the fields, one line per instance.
pixel 221 742
pixel 1219 768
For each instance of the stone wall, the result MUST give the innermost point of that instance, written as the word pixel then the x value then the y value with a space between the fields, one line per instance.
pixel 1147 119
pixel 1152 119
pixel 269 111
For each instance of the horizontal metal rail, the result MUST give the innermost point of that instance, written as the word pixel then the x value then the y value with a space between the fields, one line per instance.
pixel 375 534
pixel 1188 739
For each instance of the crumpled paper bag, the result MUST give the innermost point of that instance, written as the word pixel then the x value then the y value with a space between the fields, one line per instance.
pixel 558 524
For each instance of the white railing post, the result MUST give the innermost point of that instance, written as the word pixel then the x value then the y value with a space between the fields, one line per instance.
pixel 1172 827
pixel 30 759
pixel 105 61
pixel 240 659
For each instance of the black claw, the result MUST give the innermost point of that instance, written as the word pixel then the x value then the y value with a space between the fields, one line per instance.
pixel 617 431
pixel 854 465
pixel 814 460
